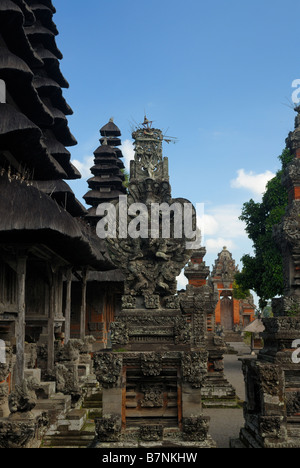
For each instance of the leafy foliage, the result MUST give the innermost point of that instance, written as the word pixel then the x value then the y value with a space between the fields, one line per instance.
pixel 239 292
pixel 263 271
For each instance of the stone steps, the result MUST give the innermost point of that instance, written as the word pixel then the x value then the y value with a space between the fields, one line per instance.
pixel 77 428
pixel 72 439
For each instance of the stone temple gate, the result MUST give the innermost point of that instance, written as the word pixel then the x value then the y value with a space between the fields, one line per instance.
pixel 153 375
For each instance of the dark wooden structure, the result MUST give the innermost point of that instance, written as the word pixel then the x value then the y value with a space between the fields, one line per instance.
pixel 45 242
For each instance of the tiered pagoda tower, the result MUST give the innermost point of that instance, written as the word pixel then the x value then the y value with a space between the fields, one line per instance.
pixel 107 183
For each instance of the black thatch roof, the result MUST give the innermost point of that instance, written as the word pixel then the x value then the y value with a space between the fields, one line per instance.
pixel 47 3
pixel 44 14
pixel 28 216
pixel 28 14
pixel 46 88
pixel 34 134
pixel 39 34
pixel 12 31
pixel 104 181
pixel 23 138
pixel 52 66
pixel 94 197
pixel 62 194
pixel 105 150
pixel 110 130
pixel 62 155
pixel 16 73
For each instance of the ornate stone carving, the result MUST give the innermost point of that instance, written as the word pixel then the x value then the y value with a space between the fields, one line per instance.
pixel 194 368
pixel 152 301
pixel 269 378
pixel 182 330
pixel 172 302
pixel 108 428
pixel 119 333
pixel 128 302
pixel 108 369
pixel 151 364
pixel 153 396
pixel 148 159
pixel 67 381
pixel 68 352
pixel 23 399
pixel 195 429
pixel 150 261
pixel 16 434
pixel 292 403
pixel 151 433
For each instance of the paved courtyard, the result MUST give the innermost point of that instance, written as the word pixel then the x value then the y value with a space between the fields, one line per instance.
pixel 226 423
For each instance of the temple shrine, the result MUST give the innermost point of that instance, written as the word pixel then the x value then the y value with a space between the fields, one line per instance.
pixel 231 314
pixel 153 376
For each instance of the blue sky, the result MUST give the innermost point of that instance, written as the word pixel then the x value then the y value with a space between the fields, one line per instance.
pixel 215 75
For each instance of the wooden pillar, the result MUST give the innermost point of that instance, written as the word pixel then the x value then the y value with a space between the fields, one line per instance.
pixel 83 305
pixel 20 322
pixel 50 362
pixel 68 307
pixel 56 312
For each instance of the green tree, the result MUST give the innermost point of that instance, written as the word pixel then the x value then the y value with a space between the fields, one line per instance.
pixel 126 175
pixel 239 292
pixel 262 272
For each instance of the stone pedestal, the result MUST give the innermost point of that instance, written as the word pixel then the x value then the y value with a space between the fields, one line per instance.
pixel 152 399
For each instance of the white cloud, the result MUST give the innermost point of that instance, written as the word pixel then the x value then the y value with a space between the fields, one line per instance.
pixel 220 227
pixel 256 183
pixel 216 245
pixel 182 281
pixel 84 166
pixel 221 221
pixel 208 224
pixel 127 149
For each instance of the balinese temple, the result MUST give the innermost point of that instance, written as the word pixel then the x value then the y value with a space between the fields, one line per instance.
pixel 107 183
pixel 231 314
